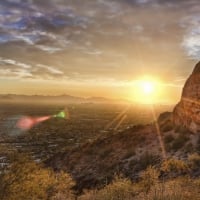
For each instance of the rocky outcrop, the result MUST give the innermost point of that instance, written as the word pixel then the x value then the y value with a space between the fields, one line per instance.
pixel 187 112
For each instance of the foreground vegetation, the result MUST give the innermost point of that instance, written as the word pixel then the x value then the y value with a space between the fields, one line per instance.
pixel 23 179
pixel 170 182
pixel 150 189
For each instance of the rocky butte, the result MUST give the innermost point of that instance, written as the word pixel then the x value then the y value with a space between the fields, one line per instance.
pixel 187 112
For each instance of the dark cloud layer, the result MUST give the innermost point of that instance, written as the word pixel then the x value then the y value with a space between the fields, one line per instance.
pixel 98 39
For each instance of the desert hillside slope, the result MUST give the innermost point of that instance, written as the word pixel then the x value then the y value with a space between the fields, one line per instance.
pixel 95 163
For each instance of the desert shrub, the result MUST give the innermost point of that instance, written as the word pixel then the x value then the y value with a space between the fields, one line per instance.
pixel 167 126
pixel 182 129
pixel 189 148
pixel 61 187
pixel 149 178
pixel 194 161
pixel 129 154
pixel 179 142
pixel 105 152
pixel 146 160
pixel 174 166
pixel 119 189
pixel 24 179
pixel 177 189
pixel 164 117
pixel 168 139
pixel 137 127
pixel 132 163
pixel 122 189
pixel 198 144
pixel 165 122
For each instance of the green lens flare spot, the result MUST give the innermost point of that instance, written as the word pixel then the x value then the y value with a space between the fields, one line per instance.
pixel 60 115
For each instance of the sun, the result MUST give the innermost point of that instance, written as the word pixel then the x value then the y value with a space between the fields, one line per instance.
pixel 147 87
pixel 146 90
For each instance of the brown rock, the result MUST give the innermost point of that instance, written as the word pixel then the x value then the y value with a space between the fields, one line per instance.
pixel 187 112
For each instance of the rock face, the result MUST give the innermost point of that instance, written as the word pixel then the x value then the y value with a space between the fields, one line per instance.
pixel 187 112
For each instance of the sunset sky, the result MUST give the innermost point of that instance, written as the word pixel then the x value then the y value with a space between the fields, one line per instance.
pixel 97 47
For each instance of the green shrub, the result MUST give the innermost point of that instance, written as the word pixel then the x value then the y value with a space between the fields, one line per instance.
pixel 164 117
pixel 129 154
pixel 167 127
pixel 105 152
pixel 189 148
pixel 182 130
pixel 146 160
pixel 165 122
pixel 168 139
pixel 179 142
pixel 198 144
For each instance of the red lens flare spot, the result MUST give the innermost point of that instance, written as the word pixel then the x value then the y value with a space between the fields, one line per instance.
pixel 26 123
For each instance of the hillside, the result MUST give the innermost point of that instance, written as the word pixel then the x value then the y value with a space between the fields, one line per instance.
pixel 95 163
pixel 129 152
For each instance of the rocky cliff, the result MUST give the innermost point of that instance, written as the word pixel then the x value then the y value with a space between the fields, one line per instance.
pixel 187 112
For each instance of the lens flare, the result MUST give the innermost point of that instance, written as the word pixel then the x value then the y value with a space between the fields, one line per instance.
pixel 26 122
pixel 61 114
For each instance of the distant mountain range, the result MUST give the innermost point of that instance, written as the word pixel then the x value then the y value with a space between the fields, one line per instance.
pixel 56 99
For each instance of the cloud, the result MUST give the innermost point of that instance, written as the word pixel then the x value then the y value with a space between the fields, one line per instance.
pixel 49 49
pixel 100 38
pixel 192 45
pixel 191 41
pixel 12 69
pixel 190 24
pixel 51 69
pixel 37 26
pixel 142 1
pixel 15 69
pixel 14 63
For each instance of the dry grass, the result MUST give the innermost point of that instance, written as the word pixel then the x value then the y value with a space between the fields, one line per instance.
pixel 148 188
pixel 178 189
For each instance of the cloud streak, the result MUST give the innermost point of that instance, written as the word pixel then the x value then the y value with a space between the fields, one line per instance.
pixel 191 40
pixel 12 68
